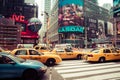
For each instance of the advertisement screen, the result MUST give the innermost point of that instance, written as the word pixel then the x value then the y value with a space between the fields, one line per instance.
pixel 101 30
pixel 116 2
pixel 110 28
pixel 70 13
pixel 118 27
pixel 92 28
pixel 116 9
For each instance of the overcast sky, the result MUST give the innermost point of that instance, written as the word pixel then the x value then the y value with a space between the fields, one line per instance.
pixel 101 2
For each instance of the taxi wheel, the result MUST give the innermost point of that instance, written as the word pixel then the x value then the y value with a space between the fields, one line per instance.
pixel 78 57
pixel 50 62
pixel 102 59
pixel 30 75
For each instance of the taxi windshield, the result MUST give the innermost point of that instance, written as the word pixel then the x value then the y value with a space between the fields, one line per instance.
pixel 95 51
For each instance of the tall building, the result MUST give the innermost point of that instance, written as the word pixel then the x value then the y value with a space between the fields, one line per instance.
pixel 47 8
pixel 18 7
pixel 107 6
pixel 25 14
pixel 116 13
pixel 9 34
pixel 52 29
pixel 94 1
pixel 76 22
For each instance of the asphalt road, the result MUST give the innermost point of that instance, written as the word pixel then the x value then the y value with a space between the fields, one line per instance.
pixel 51 74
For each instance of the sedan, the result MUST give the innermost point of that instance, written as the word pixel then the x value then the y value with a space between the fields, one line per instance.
pixel 30 53
pixel 66 53
pixel 102 55
pixel 14 67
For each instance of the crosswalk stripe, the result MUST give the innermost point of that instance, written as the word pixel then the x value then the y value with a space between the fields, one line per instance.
pixel 110 76
pixel 87 73
pixel 80 66
pixel 80 70
pixel 87 69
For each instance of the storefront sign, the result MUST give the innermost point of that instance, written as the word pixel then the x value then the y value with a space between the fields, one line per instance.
pixel 18 17
pixel 71 29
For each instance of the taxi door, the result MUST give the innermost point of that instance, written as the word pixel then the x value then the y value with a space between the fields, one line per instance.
pixel 108 54
pixel 116 55
pixel 34 55
pixel 61 53
pixel 22 54
pixel 69 53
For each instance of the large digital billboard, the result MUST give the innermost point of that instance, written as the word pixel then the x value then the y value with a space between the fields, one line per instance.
pixel 92 28
pixel 116 8
pixel 118 27
pixel 101 29
pixel 110 30
pixel 70 13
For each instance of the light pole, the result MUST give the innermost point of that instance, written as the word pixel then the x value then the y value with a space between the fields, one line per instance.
pixel 115 35
pixel 86 42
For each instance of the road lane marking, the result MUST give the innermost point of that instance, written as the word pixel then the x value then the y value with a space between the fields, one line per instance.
pixel 50 75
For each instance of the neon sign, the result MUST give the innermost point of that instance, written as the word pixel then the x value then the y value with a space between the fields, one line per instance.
pixel 71 29
pixel 18 17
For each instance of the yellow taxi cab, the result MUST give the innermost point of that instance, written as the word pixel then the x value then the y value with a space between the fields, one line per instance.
pixel 42 48
pixel 102 55
pixel 30 53
pixel 4 50
pixel 67 53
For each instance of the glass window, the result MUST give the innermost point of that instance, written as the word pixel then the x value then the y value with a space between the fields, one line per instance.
pixel 5 60
pixel 33 52
pixel 21 52
pixel 36 48
pixel 106 51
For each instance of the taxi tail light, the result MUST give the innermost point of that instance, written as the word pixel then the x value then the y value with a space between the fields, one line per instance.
pixel 90 55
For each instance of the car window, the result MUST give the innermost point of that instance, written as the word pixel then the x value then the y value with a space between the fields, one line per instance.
pixel 5 60
pixel 106 51
pixel 33 52
pixel 95 51
pixel 60 50
pixel 68 50
pixel 21 52
pixel 36 48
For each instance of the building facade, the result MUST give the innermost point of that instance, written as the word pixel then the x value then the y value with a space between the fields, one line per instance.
pixel 78 23
pixel 52 29
pixel 9 34
pixel 18 7
pixel 25 14
pixel 116 13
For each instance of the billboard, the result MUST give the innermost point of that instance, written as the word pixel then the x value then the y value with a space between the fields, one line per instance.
pixel 110 30
pixel 70 13
pixel 92 28
pixel 118 27
pixel 101 29
pixel 116 9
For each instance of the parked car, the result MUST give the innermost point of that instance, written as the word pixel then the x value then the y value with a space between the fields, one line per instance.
pixel 66 53
pixel 102 55
pixel 30 53
pixel 15 67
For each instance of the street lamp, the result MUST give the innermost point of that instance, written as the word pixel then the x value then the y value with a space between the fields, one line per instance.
pixel 115 35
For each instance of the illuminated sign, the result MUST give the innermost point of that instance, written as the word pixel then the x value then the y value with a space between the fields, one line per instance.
pixel 18 17
pixel 70 13
pixel 71 29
